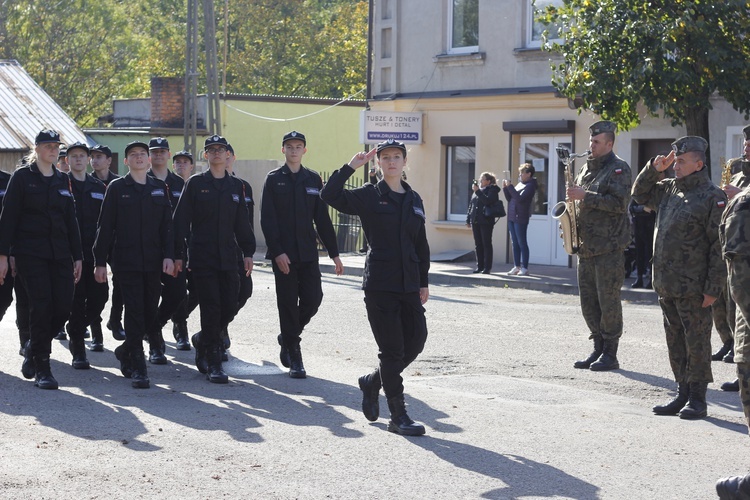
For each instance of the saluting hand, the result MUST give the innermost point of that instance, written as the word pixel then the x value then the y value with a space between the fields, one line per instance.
pixel 248 265
pixel 339 266
pixel 661 162
pixel 362 158
pixel 77 270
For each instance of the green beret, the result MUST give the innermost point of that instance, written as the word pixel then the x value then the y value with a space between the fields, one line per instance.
pixel 602 127
pixel 688 144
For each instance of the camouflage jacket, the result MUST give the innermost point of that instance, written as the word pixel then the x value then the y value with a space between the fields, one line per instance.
pixel 603 224
pixel 734 232
pixel 742 178
pixel 687 252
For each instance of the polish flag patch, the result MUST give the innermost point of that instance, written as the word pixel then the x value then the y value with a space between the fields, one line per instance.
pixel 618 171
pixel 721 203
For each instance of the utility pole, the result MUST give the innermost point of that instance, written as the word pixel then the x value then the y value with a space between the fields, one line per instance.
pixel 191 74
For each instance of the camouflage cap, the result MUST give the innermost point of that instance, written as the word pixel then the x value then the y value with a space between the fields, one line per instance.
pixel 746 132
pixel 601 127
pixel 689 144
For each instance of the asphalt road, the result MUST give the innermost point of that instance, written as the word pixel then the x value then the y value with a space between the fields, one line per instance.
pixel 506 414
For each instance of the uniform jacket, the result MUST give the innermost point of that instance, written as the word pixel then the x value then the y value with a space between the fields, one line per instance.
pixel 734 232
pixel 174 183
pixel 483 197
pixel 4 178
pixel 519 202
pixel 603 224
pixel 135 226
pixel 88 205
pixel 38 216
pixel 214 213
pixel 742 178
pixel 398 258
pixel 287 211
pixel 110 177
pixel 687 253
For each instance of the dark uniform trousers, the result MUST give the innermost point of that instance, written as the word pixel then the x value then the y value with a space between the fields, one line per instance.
pixel 218 301
pixel 189 302
pixel 723 311
pixel 298 297
pixel 49 287
pixel 400 330
pixel 688 330
pixel 739 271
pixel 115 311
pixel 172 295
pixel 22 310
pixel 600 279
pixel 6 294
pixel 89 300
pixel 140 295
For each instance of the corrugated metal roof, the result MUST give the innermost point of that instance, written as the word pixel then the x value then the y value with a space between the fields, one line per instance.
pixel 25 109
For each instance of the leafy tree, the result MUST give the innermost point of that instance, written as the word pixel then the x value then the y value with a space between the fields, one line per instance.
pixel 669 55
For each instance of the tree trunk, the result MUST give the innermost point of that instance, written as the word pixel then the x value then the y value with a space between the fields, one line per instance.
pixel 696 123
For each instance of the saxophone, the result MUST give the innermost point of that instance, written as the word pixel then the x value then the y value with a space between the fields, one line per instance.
pixel 566 212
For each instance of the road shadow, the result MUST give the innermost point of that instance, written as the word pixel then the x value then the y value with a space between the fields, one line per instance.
pixel 648 379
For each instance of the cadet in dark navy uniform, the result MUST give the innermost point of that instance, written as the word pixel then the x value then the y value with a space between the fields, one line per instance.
pixel 135 236
pixel 213 212
pixel 173 287
pixel 89 297
pixel 183 166
pixel 6 289
pixel 38 227
pixel 289 206
pixel 395 276
pixel 64 167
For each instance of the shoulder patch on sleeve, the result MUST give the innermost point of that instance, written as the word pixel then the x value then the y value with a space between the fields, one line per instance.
pixel 618 171
pixel 721 203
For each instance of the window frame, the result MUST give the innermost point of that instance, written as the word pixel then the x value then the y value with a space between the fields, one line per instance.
pixel 450 146
pixel 459 50
pixel 530 42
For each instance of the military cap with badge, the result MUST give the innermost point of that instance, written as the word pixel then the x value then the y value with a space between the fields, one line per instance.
pixel 78 145
pixel 689 144
pixel 158 143
pixel 294 135
pixel 602 127
pixel 101 148
pixel 391 143
pixel 186 154
pixel 47 136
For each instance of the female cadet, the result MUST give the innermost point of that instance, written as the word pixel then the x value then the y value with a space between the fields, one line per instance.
pixel 395 275
pixel 38 227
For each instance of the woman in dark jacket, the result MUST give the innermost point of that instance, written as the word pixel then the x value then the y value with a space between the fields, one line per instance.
pixel 519 199
pixel 486 193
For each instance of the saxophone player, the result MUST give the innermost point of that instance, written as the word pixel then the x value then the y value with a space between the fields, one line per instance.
pixel 602 191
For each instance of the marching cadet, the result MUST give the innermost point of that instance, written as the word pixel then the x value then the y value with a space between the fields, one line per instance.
pixel 135 236
pixel 395 280
pixel 689 272
pixel 62 161
pixel 90 296
pixel 290 205
pixel 6 289
pixel 101 161
pixel 174 287
pixel 182 164
pixel 38 227
pixel 213 212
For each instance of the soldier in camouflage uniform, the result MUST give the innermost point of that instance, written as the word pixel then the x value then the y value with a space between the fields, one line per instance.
pixel 602 189
pixel 689 273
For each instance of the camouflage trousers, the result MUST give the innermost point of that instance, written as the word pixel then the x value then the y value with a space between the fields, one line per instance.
pixel 739 287
pixel 600 279
pixel 688 329
pixel 723 314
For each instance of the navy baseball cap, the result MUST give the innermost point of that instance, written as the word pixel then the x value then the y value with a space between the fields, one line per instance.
pixel 390 143
pixel 79 145
pixel 135 144
pixel 216 139
pixel 47 136
pixel 294 135
pixel 101 148
pixel 230 148
pixel 158 143
pixel 186 154
pixel 63 153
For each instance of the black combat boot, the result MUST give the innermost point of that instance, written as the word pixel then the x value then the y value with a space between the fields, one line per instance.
pixel 43 374
pixel 586 363
pixel 139 377
pixel 77 348
pixel 608 359
pixel 61 335
pixel 123 356
pixel 180 331
pixel 284 353
pixel 733 488
pixel 200 353
pixel 226 343
pixel 97 338
pixel 118 333
pixel 370 385
pixel 731 386
pixel 674 406
pixel 23 337
pixel 156 352
pixel 296 367
pixel 215 373
pixel 696 407
pixel 638 282
pixel 400 422
pixel 723 351
pixel 27 367
pixel 729 358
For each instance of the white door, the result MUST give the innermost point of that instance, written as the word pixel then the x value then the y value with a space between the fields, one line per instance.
pixel 545 244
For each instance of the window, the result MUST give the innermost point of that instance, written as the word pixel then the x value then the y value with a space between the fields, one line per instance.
pixel 535 28
pixel 460 169
pixel 463 29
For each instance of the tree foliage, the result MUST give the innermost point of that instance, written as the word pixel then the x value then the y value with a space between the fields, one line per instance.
pixel 84 53
pixel 670 56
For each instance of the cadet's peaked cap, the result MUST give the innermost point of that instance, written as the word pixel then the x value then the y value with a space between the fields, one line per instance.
pixel 63 153
pixel 158 143
pixel 47 136
pixel 79 145
pixel 135 144
pixel 215 139
pixel 689 144
pixel 390 143
pixel 186 154
pixel 294 135
pixel 746 132
pixel 602 127
pixel 230 148
pixel 101 148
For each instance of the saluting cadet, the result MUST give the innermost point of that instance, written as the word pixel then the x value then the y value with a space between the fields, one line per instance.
pixel 90 296
pixel 395 279
pixel 38 227
pixel 213 212
pixel 289 206
pixel 689 272
pixel 174 287
pixel 135 236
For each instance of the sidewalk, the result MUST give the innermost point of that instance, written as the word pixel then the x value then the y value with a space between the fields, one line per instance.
pixel 550 279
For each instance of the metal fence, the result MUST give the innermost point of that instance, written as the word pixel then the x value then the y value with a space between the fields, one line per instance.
pixel 349 235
